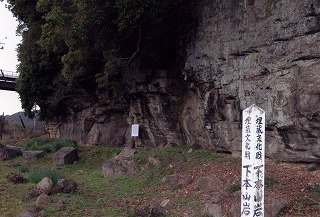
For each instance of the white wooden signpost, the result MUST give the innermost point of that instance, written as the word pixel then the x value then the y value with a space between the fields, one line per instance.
pixel 253 165
pixel 135 135
pixel 135 130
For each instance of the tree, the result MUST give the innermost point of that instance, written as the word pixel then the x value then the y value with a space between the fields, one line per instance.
pixel 74 51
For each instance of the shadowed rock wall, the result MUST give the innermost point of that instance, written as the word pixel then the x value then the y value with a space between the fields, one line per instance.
pixel 265 52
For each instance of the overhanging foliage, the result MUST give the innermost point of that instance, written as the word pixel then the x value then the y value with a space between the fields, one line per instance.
pixel 74 49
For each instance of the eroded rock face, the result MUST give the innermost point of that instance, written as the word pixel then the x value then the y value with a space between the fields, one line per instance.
pixel 265 52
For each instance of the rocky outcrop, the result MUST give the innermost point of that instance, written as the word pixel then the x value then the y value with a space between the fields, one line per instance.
pixel 33 154
pixel 9 152
pixel 264 52
pixel 65 155
pixel 119 167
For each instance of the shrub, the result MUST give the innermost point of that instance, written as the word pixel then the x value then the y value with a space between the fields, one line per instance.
pixel 24 169
pixel 36 174
pixel 36 144
pixel 14 164
pixel 59 143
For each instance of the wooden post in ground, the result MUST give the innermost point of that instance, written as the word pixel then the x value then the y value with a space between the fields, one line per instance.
pixel 253 164
pixel 135 135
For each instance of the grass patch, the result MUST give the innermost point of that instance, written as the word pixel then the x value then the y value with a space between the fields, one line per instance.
pixel 47 144
pixel 233 188
pixel 176 155
pixel 103 196
pixel 269 181
pixel 24 169
pixel 312 167
pixel 36 174
pixel 314 188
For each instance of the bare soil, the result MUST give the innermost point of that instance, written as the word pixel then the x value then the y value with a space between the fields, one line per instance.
pixel 293 184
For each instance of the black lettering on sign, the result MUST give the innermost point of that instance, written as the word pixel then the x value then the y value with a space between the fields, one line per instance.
pixel 247 183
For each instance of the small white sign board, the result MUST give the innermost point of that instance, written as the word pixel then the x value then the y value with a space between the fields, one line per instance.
pixel 135 130
pixel 253 166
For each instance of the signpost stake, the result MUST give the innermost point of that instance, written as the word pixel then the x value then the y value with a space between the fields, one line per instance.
pixel 135 135
pixel 253 165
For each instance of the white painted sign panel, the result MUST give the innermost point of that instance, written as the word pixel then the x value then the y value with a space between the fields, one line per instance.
pixel 135 130
pixel 253 162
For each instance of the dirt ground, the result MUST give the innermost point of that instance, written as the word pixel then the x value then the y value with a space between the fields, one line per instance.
pixel 295 185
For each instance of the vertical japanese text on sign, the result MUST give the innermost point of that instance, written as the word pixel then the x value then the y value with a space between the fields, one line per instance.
pixel 253 146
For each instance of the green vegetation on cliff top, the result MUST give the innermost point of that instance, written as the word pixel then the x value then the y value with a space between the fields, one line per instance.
pixel 72 52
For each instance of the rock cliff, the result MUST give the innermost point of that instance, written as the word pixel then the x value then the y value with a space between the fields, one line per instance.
pixel 265 52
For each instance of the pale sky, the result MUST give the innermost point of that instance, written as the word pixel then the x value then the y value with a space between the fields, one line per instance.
pixel 9 100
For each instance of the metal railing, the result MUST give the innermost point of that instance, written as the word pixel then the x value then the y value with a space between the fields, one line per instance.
pixel 10 74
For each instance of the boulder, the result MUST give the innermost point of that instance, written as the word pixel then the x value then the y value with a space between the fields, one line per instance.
pixel 119 167
pixel 213 210
pixel 274 208
pixel 9 152
pixel 153 161
pixel 65 155
pixel 206 183
pixel 33 154
pixel 43 200
pixel 45 185
pixel 175 181
pixel 28 211
pixel 31 210
pixel 67 186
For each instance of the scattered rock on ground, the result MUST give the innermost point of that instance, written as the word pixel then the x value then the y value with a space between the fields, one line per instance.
pixel 67 186
pixel 166 204
pixel 125 153
pixel 33 154
pixel 32 193
pixel 156 210
pixel 274 208
pixel 43 200
pixel 213 210
pixel 119 167
pixel 153 161
pixel 9 152
pixel 65 155
pixel 174 181
pixel 60 204
pixel 45 185
pixel 206 183
pixel 29 211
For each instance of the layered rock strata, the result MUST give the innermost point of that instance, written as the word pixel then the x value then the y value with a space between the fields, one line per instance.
pixel 265 52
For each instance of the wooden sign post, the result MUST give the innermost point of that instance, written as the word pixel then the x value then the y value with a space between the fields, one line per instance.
pixel 253 165
pixel 135 130
pixel 135 135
